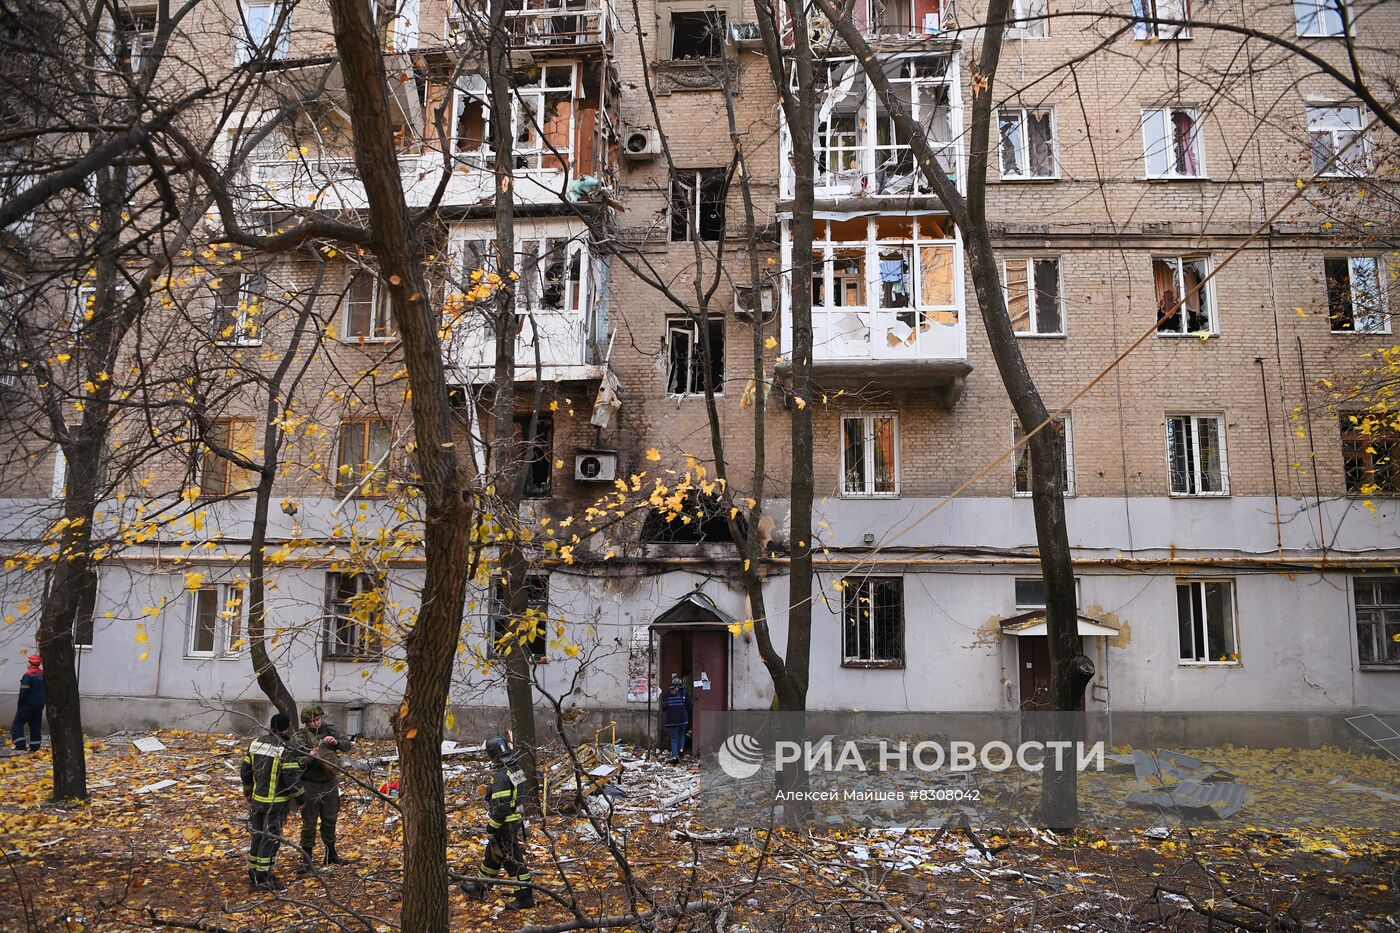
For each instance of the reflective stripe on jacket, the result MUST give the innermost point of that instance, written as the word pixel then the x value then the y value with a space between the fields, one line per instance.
pixel 504 804
pixel 271 773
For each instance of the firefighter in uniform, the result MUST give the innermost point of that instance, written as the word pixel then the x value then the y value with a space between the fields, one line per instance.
pixel 320 745
pixel 505 845
pixel 271 776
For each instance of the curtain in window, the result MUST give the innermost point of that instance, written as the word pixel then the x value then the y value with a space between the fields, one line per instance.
pixel 1184 141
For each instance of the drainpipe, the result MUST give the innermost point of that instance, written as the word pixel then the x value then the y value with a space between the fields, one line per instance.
pixel 1273 467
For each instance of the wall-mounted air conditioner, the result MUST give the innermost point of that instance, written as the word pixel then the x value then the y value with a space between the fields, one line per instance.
pixel 744 302
pixel 595 466
pixel 746 35
pixel 641 144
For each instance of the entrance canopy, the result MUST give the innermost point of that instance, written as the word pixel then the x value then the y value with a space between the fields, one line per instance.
pixel 1033 623
pixel 694 610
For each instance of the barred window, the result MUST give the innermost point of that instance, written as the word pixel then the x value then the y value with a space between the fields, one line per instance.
pixel 873 614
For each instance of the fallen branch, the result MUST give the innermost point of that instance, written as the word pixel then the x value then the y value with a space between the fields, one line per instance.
pixel 639 919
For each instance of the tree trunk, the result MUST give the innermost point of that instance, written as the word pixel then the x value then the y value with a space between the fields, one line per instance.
pixel 431 645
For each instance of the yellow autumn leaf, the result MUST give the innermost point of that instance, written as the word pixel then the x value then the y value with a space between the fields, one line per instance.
pixel 653 454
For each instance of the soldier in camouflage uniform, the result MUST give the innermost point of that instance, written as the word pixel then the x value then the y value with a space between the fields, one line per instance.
pixel 321 746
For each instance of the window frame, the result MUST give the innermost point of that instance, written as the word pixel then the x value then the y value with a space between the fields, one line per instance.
pixel 228 641
pixel 852 589
pixel 247 48
pixel 1033 311
pixel 1023 455
pixel 1357 164
pixel 694 357
pixel 362 485
pixel 245 329
pixel 694 181
pixel 1146 20
pixel 868 441
pixel 1028 20
pixel 128 55
pixel 381 312
pixel 1171 174
pixel 1193 419
pixel 208 457
pixel 719 20
pixel 1379 638
pixel 1357 445
pixel 1023 606
pixel 1233 658
pixel 1204 296
pixel 370 647
pixel 1382 311
pixel 1023 149
pixel 1318 8
pixel 536 599
pixel 543 445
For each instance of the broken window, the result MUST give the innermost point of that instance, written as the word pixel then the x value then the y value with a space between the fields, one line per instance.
pixel 537 457
pixel 899 17
pixel 860 148
pixel 1355 298
pixel 217 475
pixel 551 273
pixel 260 19
pixel 686 357
pixel 532 629
pixel 1321 18
pixel 1336 135
pixel 1149 15
pixel 471 117
pixel 1369 450
pixel 1027 143
pixel 354 616
pixel 368 311
pixel 869 455
pixel 1172 143
pixel 697 35
pixel 362 465
pixel 1023 457
pixel 1184 297
pixel 872 611
pixel 542 109
pixel 1205 619
pixel 1033 296
pixel 1028 20
pixel 215 621
pixel 697 205
pixel 1377 620
pixel 238 300
pixel 133 36
pixel 1196 455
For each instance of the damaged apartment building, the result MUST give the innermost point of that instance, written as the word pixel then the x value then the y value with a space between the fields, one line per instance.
pixel 1234 537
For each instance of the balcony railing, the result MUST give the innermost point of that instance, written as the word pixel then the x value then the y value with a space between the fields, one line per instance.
pixel 542 24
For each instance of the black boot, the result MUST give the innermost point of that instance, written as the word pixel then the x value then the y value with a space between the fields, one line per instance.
pixel 524 899
pixel 270 882
pixel 304 866
pixel 474 889
pixel 253 879
pixel 332 858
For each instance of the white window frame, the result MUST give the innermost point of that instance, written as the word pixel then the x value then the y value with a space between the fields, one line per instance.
pixel 1193 421
pixel 380 313
pixel 241 320
pixel 1356 163
pixel 330 646
pixel 1147 12
pixel 1379 274
pixel 860 583
pixel 1028 607
pixel 1033 295
pixel 1314 11
pixel 1162 117
pixel 1027 20
pixel 60 473
pixel 145 39
pixel 868 420
pixel 523 123
pixel 1202 629
pixel 692 330
pixel 247 45
pixel 229 640
pixel 1023 149
pixel 1024 451
pixel 1381 610
pixel 1206 295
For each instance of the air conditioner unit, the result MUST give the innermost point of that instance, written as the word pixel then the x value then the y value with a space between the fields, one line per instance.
pixel 744 303
pixel 641 144
pixel 746 35
pixel 595 466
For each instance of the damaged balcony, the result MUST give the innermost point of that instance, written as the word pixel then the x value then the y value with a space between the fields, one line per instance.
pixel 540 25
pixel 861 153
pixel 887 303
pixel 560 134
pixel 560 305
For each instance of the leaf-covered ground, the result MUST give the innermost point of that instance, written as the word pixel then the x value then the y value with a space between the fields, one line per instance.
pixel 175 856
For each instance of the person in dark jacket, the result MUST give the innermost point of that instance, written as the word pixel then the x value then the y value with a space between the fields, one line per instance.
pixel 321 746
pixel 505 844
pixel 31 707
pixel 271 776
pixel 677 706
